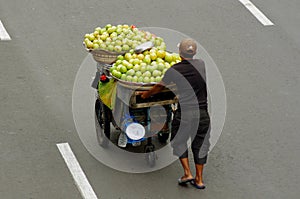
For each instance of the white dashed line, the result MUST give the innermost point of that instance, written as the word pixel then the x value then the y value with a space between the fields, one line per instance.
pixel 257 13
pixel 3 33
pixel 79 177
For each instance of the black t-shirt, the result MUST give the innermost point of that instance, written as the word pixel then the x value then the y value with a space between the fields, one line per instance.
pixel 190 80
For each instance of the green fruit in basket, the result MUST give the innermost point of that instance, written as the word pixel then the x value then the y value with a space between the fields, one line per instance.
pixel 168 57
pixel 103 37
pixel 112 29
pixel 134 56
pixel 125 62
pixel 89 44
pixel 147 59
pixel 152 79
pixel 129 66
pixel 118 48
pixel 161 54
pixel 159 60
pixel 108 26
pixel 147 74
pixel 118 67
pixel 134 46
pixel 86 40
pixel 143 68
pixel 98 29
pixel 116 73
pixel 108 39
pixel 129 78
pixel 96 33
pixel 119 30
pixel 176 57
pixel 136 67
pixel 123 69
pixel 172 63
pixel 118 62
pixel 110 47
pixel 123 77
pixel 167 65
pixel 134 79
pixel 111 69
pixel 125 47
pixel 129 36
pixel 103 46
pixel 131 51
pixel 138 73
pixel 96 41
pixel 130 72
pixel 113 35
pixel 143 64
pixel 96 46
pixel 128 56
pixel 141 79
pixel 120 57
pixel 136 61
pixel 126 31
pixel 103 30
pixel 153 55
pixel 91 37
pixel 140 56
pixel 157 42
pixel 146 80
pixel 160 66
pixel 129 42
pixel 154 63
pixel 153 50
pixel 119 42
pixel 156 73
pixel 158 79
pixel 151 68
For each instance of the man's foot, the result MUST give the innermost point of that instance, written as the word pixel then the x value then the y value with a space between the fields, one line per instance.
pixel 185 179
pixel 199 185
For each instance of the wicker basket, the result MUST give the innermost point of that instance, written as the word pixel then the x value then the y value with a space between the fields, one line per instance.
pixel 104 56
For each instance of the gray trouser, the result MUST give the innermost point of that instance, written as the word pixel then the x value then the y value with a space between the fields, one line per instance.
pixel 194 127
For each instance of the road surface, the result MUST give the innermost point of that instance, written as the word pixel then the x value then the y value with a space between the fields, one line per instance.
pixel 257 155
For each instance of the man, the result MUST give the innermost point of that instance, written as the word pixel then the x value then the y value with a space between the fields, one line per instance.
pixel 191 119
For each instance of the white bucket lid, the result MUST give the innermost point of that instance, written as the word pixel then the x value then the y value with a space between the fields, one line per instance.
pixel 135 131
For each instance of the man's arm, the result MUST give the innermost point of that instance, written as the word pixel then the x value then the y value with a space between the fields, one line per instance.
pixel 154 90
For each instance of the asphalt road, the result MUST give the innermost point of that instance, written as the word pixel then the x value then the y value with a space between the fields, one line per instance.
pixel 257 155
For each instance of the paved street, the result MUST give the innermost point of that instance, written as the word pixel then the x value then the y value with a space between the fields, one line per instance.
pixel 257 155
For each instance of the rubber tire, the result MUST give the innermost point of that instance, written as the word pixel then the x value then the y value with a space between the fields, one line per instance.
pixel 102 119
pixel 163 137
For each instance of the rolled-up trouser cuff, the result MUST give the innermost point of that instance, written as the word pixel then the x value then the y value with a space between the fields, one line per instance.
pixel 197 159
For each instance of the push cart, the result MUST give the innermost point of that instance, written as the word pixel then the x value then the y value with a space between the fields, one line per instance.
pixel 130 114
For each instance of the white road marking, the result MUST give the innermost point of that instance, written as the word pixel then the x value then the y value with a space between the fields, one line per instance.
pixel 3 33
pixel 256 12
pixel 79 177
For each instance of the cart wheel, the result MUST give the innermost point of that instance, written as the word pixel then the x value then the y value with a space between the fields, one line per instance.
pixel 150 155
pixel 163 137
pixel 102 123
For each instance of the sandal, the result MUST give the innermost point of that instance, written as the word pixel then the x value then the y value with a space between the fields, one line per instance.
pixel 184 182
pixel 197 186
